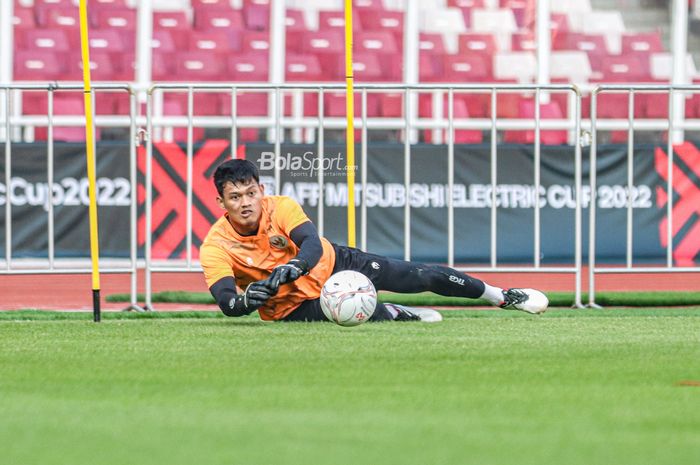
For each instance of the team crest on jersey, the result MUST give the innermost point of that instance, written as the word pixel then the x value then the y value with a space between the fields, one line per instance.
pixel 278 242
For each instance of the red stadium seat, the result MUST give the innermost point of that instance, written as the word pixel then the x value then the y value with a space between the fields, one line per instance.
pixel 67 18
pixel 380 42
pixel 334 104
pixel 432 43
pixel 23 18
pixel 199 66
pixel 367 67
pixel 216 41
pixel 430 67
pixel 110 103
pixel 523 42
pixel 644 43
pixel 218 20
pixel 547 111
pixel 162 40
pixel 592 44
pixel 303 68
pixel 461 136
pixel 368 5
pixel 391 105
pixel 507 105
pixel 378 20
pixel 101 67
pixel 257 16
pixel 107 41
pixel 124 65
pixel 162 65
pixel 625 68
pixel 175 104
pixel 467 68
pixel 38 65
pixel 63 104
pixel 615 105
pixel 466 3
pixel 248 103
pixel 477 43
pixel 121 20
pixel 524 17
pixel 250 67
pixel 466 7
pixel 202 5
pixel 295 30
pixel 42 8
pixel 203 103
pixel 52 3
pixel 559 23
pixel 309 104
pixel 430 57
pixel 105 4
pixel 294 20
pixel 54 40
pixel 249 3
pixel 177 23
pixel 116 18
pixel 329 47
pixel 378 47
pixel 335 20
pixel 255 42
pixel 323 42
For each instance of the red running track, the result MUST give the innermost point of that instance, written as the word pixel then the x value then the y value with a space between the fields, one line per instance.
pixel 74 292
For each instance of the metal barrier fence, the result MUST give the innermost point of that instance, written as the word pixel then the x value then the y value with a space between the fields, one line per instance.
pixel 278 120
pixel 11 120
pixel 673 122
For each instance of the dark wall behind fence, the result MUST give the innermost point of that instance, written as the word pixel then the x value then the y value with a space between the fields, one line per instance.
pixel 386 197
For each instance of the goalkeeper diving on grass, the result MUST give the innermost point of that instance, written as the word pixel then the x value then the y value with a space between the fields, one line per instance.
pixel 265 254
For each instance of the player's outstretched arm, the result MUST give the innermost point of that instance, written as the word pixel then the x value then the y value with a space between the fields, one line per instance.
pixel 234 304
pixel 306 237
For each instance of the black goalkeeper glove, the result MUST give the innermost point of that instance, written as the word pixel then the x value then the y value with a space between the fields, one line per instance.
pixel 254 297
pixel 287 273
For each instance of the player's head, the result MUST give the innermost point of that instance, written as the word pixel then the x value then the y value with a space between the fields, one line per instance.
pixel 236 172
pixel 240 194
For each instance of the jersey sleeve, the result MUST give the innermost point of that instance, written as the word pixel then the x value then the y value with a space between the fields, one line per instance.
pixel 216 263
pixel 289 214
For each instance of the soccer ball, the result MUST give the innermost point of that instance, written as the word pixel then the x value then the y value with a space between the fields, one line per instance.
pixel 348 298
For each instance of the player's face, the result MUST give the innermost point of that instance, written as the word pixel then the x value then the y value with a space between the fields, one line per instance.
pixel 243 202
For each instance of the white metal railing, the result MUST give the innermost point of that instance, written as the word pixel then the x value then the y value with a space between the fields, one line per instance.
pixel 674 121
pixel 52 265
pixel 276 123
pixel 407 124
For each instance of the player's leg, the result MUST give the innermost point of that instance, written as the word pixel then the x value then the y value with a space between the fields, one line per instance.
pixel 409 277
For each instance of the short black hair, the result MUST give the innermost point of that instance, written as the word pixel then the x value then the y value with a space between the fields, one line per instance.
pixel 235 171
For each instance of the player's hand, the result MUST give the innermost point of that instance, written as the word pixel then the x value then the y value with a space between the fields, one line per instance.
pixel 287 273
pixel 254 297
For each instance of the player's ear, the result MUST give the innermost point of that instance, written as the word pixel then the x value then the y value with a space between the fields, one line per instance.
pixel 220 201
pixel 262 188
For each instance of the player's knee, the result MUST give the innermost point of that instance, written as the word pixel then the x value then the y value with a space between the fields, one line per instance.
pixel 428 277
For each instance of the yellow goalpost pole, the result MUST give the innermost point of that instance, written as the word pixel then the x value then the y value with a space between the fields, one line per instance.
pixel 90 154
pixel 350 115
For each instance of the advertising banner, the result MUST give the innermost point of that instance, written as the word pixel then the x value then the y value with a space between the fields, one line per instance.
pixel 385 196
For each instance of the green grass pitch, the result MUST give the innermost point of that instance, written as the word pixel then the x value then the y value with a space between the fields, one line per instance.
pixel 483 387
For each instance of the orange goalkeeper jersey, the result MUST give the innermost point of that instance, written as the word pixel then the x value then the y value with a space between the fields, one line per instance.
pixel 224 253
